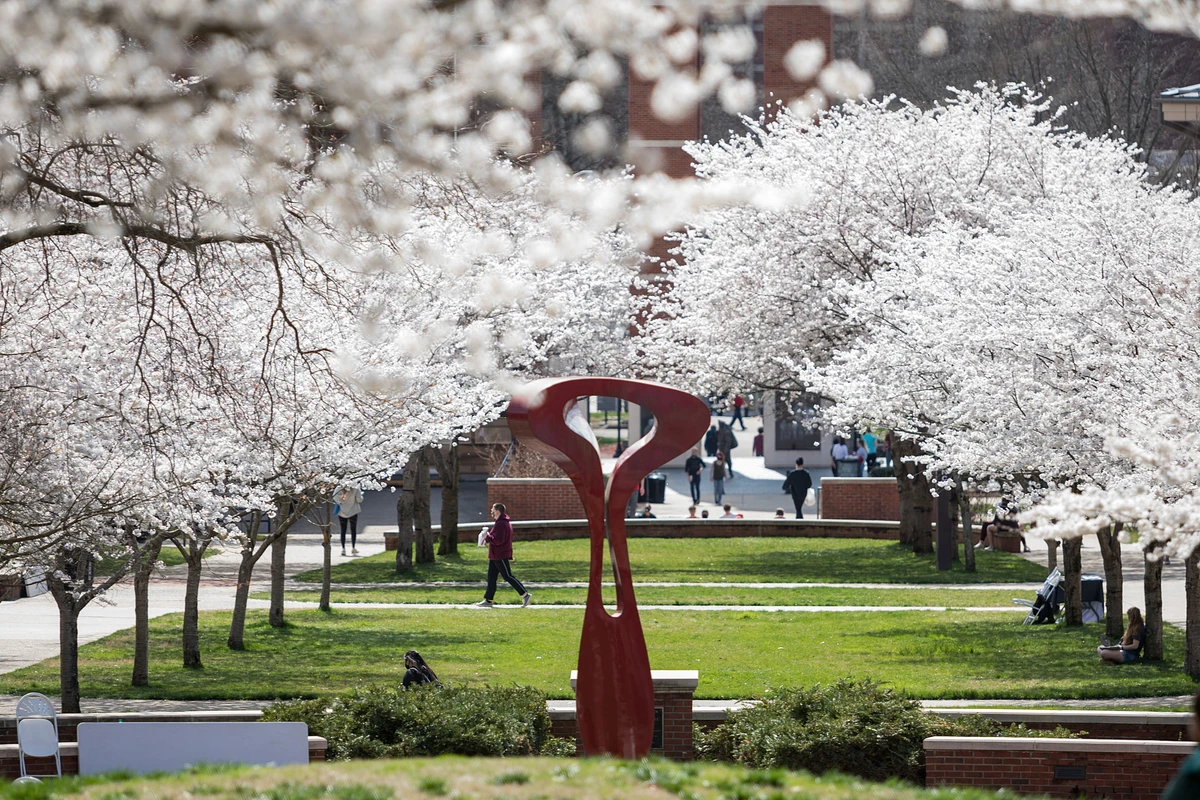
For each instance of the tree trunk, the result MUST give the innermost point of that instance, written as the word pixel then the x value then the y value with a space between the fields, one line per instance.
pixel 916 526
pixel 447 464
pixel 278 562
pixel 1110 551
pixel 964 512
pixel 1192 591
pixel 1153 612
pixel 421 512
pixel 404 517
pixel 1072 567
pixel 194 554
pixel 237 628
pixel 147 558
pixel 68 648
pixel 327 557
pixel 1051 555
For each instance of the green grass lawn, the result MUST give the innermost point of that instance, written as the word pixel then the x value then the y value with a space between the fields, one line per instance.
pixel 482 779
pixel 951 654
pixel 775 560
pixel 683 596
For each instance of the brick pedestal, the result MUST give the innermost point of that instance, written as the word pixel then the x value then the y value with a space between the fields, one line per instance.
pixel 860 498
pixel 673 693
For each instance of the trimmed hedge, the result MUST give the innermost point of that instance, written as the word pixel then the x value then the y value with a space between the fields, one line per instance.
pixel 853 727
pixel 383 722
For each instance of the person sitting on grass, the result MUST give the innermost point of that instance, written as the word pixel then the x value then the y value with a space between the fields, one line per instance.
pixel 1186 783
pixel 1132 643
pixel 418 672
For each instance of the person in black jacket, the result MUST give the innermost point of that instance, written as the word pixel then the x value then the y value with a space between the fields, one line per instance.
pixel 418 671
pixel 694 467
pixel 797 485
pixel 710 442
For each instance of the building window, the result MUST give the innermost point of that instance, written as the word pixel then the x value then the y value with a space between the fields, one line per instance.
pixel 796 422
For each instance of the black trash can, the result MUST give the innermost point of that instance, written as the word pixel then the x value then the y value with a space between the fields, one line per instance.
pixel 656 488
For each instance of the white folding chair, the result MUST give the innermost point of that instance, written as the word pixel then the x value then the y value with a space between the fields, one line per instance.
pixel 37 730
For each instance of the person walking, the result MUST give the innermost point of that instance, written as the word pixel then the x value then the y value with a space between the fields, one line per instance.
pixel 756 447
pixel 349 502
pixel 726 442
pixel 797 484
pixel 717 473
pixel 499 541
pixel 710 442
pixel 694 468
pixel 739 403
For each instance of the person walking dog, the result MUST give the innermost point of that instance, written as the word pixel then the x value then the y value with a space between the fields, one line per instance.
pixel 499 541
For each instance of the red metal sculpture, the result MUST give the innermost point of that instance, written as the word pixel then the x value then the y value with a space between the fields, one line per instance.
pixel 614 696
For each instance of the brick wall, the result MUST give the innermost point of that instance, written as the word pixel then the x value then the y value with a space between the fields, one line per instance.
pixel 1131 770
pixel 860 498
pixel 535 498
pixel 673 693
pixel 783 26
pixel 549 530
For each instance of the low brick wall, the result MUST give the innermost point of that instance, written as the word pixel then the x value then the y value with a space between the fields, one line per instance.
pixel 1131 770
pixel 693 529
pixel 673 692
pixel 536 498
pixel 10 764
pixel 1159 726
pixel 860 498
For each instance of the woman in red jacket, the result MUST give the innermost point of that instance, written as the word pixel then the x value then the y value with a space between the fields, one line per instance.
pixel 499 542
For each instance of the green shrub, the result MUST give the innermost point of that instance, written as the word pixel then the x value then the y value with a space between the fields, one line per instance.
pixel 882 472
pixel 853 727
pixel 381 722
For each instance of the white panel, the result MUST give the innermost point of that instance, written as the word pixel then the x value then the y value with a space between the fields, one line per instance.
pixel 143 747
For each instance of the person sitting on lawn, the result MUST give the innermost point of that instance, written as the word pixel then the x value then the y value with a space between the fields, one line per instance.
pixel 1132 643
pixel 418 671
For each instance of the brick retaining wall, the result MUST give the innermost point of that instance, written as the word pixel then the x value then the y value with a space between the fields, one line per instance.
pixel 693 529
pixel 860 498
pixel 1131 770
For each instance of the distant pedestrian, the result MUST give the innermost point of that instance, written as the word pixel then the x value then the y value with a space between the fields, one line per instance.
pixel 779 514
pixel 726 442
pixel 499 541
pixel 694 468
pixel 871 442
pixel 797 484
pixel 349 503
pixel 861 454
pixel 739 403
pixel 717 474
pixel 648 513
pixel 756 447
pixel 692 513
pixel 728 509
pixel 710 442
pixel 417 671
pixel 839 452
pixel 704 514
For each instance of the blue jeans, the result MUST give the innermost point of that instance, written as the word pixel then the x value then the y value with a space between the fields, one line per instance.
pixel 718 490
pixel 694 485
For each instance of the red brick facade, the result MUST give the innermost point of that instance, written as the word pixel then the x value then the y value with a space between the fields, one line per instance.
pixel 673 693
pixel 783 26
pixel 860 498
pixel 1055 767
pixel 536 498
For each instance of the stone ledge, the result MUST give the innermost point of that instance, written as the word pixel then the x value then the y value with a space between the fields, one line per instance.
pixel 665 681
pixel 1057 745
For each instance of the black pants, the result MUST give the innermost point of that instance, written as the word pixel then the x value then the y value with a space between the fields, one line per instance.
pixel 353 530
pixel 798 499
pixel 694 485
pixel 496 569
pixel 737 417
